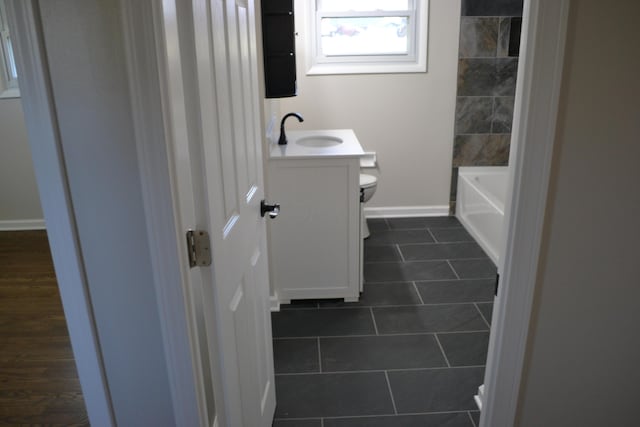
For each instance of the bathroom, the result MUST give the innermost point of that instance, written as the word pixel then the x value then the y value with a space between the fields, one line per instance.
pixel 419 146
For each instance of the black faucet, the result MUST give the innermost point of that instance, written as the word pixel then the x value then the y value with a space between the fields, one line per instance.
pixel 283 137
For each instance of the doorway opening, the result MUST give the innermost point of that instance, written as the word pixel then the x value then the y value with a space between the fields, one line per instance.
pixel 37 366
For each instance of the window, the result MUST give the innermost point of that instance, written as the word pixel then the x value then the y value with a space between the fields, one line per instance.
pixel 8 72
pixel 367 36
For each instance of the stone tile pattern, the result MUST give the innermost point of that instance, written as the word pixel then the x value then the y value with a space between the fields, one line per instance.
pixel 487 68
pixel 410 352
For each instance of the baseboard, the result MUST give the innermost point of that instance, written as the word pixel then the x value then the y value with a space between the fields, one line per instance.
pixel 406 211
pixel 274 303
pixel 479 398
pixel 22 224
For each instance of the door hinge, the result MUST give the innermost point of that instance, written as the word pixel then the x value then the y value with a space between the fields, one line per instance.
pixel 198 248
pixel 497 282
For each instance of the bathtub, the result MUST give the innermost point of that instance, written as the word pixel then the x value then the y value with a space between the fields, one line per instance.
pixel 480 205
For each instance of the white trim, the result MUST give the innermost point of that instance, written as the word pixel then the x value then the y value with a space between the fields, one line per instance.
pixel 479 398
pixel 22 224
pixel 8 70
pixel 51 175
pixel 405 211
pixel 175 49
pixel 274 303
pixel 536 107
pixel 414 62
pixel 163 234
pixel 10 93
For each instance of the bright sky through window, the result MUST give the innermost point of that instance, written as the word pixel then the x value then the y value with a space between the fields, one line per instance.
pixel 368 36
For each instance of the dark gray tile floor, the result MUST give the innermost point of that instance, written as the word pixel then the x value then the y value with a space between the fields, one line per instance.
pixel 410 353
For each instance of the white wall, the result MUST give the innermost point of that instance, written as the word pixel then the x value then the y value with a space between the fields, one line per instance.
pixel 85 53
pixel 406 118
pixel 584 347
pixel 19 198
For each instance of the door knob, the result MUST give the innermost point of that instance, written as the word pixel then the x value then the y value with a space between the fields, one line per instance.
pixel 273 209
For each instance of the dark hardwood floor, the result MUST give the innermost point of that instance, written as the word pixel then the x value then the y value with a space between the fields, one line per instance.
pixel 38 380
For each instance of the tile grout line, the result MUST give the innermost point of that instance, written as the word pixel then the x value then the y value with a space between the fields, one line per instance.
pixel 483 96
pixel 446 359
pixel 346 417
pixel 375 326
pixel 321 422
pixel 493 100
pixel 454 270
pixel 400 252
pixel 419 280
pixel 360 307
pixel 459 242
pixel 373 371
pixel 382 335
pixel 497 52
pixel 418 292
pixel 431 259
pixel 482 315
pixel 471 418
pixel 393 401
pixel 319 356
pixel 386 223
pixel 492 133
pixel 445 227
pixel 433 236
pixel 515 58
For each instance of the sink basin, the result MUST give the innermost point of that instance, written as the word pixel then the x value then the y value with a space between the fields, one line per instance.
pixel 319 141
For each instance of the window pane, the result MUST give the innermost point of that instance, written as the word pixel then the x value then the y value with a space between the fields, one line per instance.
pixel 362 5
pixel 364 36
pixel 11 63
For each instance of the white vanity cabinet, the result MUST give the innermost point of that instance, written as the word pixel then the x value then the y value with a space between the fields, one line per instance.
pixel 314 243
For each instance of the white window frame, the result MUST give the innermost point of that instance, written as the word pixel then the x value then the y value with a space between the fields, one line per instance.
pixel 415 61
pixel 8 75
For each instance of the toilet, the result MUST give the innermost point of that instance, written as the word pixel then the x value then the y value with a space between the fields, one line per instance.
pixel 368 185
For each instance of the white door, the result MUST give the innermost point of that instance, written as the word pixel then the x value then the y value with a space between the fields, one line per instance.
pixel 230 299
pixel 227 79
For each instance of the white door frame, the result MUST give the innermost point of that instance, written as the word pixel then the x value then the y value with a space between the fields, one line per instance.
pixel 53 184
pixel 143 24
pixel 534 125
pixel 165 243
pixel 539 77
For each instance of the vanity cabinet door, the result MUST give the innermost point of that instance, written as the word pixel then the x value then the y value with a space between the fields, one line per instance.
pixel 315 242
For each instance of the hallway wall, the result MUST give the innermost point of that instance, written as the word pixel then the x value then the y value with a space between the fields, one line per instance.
pixel 86 59
pixel 19 198
pixel 583 347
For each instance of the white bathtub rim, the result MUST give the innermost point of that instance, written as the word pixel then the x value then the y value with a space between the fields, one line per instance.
pixel 468 171
pixel 486 240
pixel 488 197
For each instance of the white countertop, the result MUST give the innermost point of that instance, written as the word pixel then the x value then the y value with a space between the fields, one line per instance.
pixel 350 146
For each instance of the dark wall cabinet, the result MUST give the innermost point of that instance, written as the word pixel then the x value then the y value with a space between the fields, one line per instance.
pixel 278 38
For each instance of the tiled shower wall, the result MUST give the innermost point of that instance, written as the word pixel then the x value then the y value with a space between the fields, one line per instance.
pixel 487 67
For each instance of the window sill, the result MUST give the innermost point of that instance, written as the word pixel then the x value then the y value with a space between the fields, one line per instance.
pixel 10 93
pixel 365 68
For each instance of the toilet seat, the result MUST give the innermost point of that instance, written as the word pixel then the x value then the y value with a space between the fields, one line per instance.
pixel 367 181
